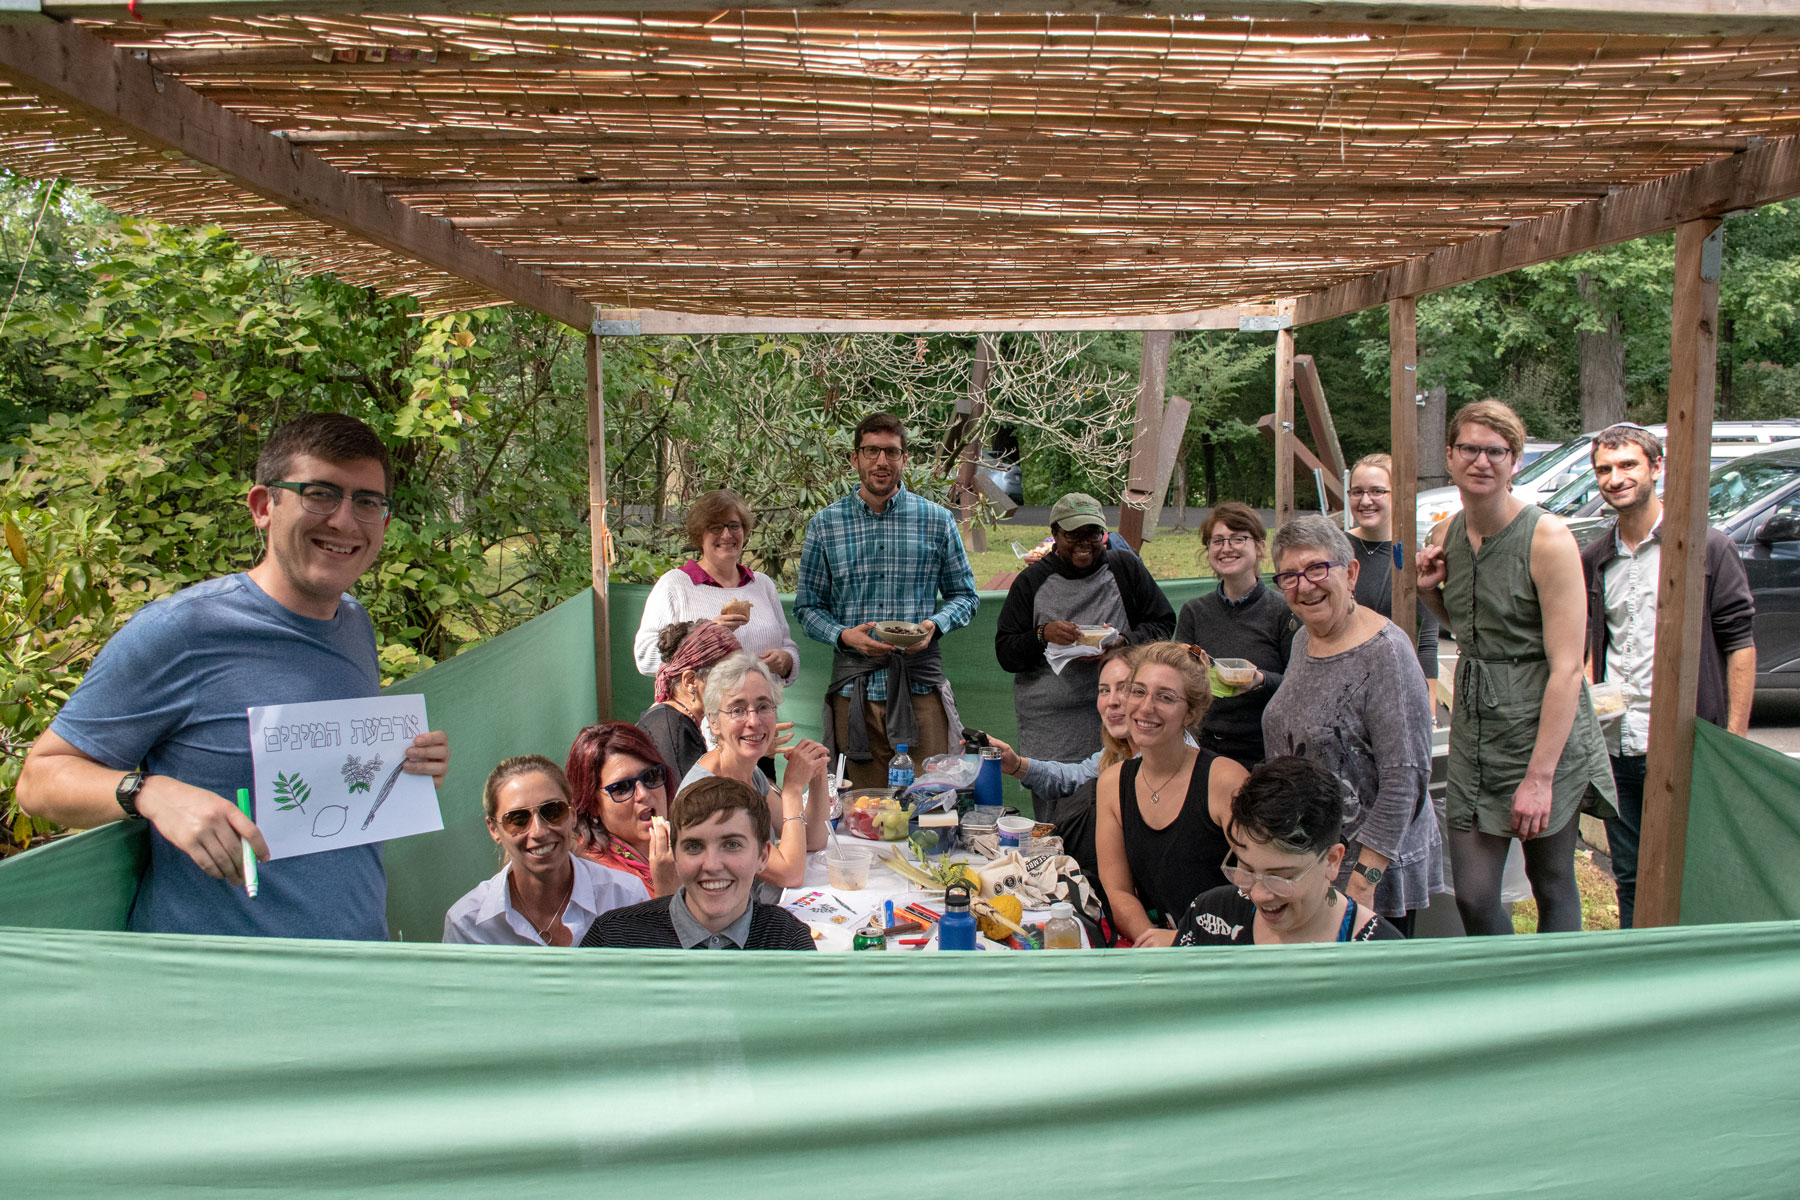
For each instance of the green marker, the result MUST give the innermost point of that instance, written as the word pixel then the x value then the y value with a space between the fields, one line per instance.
pixel 249 851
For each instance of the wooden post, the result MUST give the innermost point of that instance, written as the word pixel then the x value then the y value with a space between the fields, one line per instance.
pixel 1284 426
pixel 1693 345
pixel 1403 442
pixel 596 452
pixel 1153 373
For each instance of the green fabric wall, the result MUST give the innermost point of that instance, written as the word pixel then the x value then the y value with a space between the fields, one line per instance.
pixel 1743 848
pixel 1564 1067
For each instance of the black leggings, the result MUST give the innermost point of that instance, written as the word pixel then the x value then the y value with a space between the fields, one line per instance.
pixel 1478 859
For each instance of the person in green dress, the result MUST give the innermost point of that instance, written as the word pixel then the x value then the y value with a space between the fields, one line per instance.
pixel 1526 754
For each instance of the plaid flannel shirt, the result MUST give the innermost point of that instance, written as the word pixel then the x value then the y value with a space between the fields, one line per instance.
pixel 860 566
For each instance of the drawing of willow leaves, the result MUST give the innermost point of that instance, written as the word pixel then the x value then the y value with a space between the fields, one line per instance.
pixel 291 792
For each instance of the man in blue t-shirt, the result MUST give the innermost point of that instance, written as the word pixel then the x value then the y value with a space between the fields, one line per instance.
pixel 158 731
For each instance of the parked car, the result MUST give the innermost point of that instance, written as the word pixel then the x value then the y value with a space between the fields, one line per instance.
pixel 1556 469
pixel 1580 497
pixel 1005 476
pixel 1755 501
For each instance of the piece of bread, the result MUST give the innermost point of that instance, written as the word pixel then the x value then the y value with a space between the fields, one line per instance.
pixel 736 608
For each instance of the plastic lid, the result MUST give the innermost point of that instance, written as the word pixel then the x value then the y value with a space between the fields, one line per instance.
pixel 1062 908
pixel 901 747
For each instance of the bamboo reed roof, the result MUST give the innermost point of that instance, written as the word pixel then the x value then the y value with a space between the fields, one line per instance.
pixel 867 165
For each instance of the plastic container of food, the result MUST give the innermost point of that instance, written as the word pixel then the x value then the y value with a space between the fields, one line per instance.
pixel 848 867
pixel 1609 699
pixel 937 832
pixel 1238 672
pixel 876 816
pixel 1094 635
pixel 1013 830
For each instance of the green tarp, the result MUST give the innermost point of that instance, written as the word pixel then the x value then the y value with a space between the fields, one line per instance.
pixel 1743 851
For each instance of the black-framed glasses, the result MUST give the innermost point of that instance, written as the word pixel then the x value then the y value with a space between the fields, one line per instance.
pixel 1236 541
pixel 891 453
pixel 1469 452
pixel 1087 533
pixel 1287 581
pixel 1358 493
pixel 322 499
pixel 621 791
pixel 1282 887
pixel 550 812
pixel 735 527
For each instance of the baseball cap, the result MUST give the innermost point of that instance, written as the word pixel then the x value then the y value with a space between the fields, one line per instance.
pixel 1077 510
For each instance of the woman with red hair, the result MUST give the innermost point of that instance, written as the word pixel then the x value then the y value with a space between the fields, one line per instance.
pixel 621 788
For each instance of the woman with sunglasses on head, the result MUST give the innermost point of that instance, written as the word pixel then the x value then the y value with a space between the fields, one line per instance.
pixel 1238 619
pixel 1372 508
pixel 621 789
pixel 742 698
pixel 715 585
pixel 1285 851
pixel 690 650
pixel 1526 753
pixel 1353 702
pixel 1159 830
pixel 544 895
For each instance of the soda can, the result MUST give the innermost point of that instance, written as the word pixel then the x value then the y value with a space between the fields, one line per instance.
pixel 868 938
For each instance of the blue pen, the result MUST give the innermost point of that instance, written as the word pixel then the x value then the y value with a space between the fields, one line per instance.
pixel 889 913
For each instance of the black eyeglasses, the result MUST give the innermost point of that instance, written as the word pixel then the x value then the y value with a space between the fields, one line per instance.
pixel 1287 581
pixel 550 812
pixel 1469 452
pixel 1357 493
pixel 621 791
pixel 323 499
pixel 1087 533
pixel 891 453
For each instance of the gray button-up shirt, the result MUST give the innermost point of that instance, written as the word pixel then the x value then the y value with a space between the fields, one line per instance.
pixel 695 936
pixel 1630 591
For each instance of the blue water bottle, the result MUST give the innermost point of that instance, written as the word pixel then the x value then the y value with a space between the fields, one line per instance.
pixel 987 780
pixel 956 928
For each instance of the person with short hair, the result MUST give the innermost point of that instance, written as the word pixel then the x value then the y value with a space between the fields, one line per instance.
pixel 1077 583
pixel 1238 619
pixel 544 895
pixel 158 729
pixel 620 787
pixel 690 650
pixel 720 831
pixel 1526 753
pixel 1620 568
pixel 883 553
pixel 1353 702
pixel 715 585
pixel 1285 851
pixel 1375 541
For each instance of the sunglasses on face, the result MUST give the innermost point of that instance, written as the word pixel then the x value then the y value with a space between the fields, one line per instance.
pixel 620 791
pixel 551 812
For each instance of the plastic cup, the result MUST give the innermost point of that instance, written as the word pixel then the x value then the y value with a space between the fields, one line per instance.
pixel 848 867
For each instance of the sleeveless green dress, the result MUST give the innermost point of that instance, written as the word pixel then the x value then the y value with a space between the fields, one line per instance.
pixel 1500 679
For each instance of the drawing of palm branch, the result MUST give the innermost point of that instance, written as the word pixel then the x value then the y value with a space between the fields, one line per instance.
pixel 291 792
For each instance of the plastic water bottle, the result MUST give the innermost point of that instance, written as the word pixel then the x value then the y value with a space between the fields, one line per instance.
pixel 956 928
pixel 1060 931
pixel 900 769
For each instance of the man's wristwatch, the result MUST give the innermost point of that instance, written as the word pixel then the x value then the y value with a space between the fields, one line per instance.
pixel 1372 874
pixel 127 794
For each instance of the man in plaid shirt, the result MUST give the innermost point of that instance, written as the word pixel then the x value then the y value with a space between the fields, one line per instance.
pixel 884 554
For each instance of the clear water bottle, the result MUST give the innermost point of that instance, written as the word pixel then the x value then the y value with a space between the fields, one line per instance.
pixel 956 928
pixel 1060 931
pixel 900 769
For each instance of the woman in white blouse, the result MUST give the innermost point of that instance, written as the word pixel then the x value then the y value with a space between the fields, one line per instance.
pixel 715 585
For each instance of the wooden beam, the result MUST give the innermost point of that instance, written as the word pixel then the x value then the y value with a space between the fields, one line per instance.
pixel 1318 417
pixel 1285 441
pixel 631 322
pixel 1681 577
pixel 73 69
pixel 966 493
pixel 1303 454
pixel 1168 452
pixel 596 456
pixel 1762 175
pixel 1146 436
pixel 1403 443
pixel 1706 17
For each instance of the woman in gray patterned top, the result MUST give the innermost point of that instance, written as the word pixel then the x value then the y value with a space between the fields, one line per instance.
pixel 1353 702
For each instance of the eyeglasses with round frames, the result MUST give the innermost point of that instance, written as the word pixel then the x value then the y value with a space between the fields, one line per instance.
pixel 550 812
pixel 323 499
pixel 1469 452
pixel 1282 887
pixel 621 791
pixel 1234 541
pixel 738 712
pixel 1287 581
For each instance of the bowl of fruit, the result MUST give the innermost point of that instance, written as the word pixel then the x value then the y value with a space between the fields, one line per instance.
pixel 877 816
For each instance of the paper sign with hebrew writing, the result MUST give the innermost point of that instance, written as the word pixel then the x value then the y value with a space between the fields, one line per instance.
pixel 328 774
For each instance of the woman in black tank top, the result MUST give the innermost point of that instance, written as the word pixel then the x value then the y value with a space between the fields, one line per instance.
pixel 1159 836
